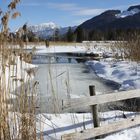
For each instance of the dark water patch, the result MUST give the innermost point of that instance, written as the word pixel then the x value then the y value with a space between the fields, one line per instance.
pixel 109 83
pixel 53 60
pixel 70 57
pixel 86 71
pixel 112 84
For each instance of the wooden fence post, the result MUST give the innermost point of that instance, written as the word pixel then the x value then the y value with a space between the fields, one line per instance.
pixel 94 108
pixel 93 102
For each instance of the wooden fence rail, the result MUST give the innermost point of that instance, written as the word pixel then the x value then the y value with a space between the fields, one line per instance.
pixel 96 100
pixel 106 129
pixel 99 99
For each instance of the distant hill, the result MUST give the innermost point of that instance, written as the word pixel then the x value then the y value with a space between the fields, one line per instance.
pixel 101 20
pixel 114 19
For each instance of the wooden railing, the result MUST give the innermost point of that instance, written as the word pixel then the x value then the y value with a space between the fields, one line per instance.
pixel 93 101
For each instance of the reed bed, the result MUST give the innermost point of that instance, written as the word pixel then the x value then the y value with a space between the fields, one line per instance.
pixel 18 90
pixel 128 49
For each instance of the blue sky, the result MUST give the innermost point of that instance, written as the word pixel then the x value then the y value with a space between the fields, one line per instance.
pixel 63 12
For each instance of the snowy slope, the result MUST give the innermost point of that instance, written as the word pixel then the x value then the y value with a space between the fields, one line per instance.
pixel 46 30
pixel 44 26
pixel 128 13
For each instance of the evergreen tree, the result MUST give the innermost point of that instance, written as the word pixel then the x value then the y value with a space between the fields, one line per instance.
pixel 70 35
pixel 80 34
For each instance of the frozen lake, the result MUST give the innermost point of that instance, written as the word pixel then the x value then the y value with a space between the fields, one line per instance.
pixel 59 81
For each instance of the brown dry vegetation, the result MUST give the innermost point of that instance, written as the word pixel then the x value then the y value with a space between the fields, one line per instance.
pixel 129 49
pixel 17 115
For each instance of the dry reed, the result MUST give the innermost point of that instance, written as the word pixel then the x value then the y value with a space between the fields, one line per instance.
pixel 17 103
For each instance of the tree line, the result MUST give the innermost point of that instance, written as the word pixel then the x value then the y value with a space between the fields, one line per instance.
pixel 108 34
pixel 81 34
pixel 78 35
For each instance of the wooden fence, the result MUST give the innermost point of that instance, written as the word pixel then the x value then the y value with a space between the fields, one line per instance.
pixel 93 101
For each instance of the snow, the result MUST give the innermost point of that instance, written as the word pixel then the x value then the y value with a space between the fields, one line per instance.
pixel 61 49
pixel 81 48
pixel 63 123
pixel 54 126
pixel 128 13
pixel 16 72
pixel 49 25
pixel 44 29
pixel 47 29
pixel 126 73
pixel 43 26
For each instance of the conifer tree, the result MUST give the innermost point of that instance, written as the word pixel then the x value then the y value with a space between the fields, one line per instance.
pixel 70 35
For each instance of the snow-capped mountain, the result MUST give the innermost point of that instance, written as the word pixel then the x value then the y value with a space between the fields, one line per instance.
pixel 114 19
pixel 43 26
pixel 46 30
pixel 128 13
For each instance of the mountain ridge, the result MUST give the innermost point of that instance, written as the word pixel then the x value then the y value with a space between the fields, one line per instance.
pixel 113 19
pixel 47 30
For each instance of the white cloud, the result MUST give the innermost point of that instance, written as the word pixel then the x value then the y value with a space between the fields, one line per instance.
pixel 88 12
pixel 64 6
pixel 75 9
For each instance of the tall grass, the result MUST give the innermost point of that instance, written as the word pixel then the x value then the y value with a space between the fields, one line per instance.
pixel 17 89
pixel 128 49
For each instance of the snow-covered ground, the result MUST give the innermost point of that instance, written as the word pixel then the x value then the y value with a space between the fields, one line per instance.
pixel 54 126
pixel 83 48
pixel 17 72
pixel 126 73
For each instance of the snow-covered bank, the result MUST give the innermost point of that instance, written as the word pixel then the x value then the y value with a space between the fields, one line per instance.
pixel 123 72
pixel 126 73
pixel 54 126
pixel 82 48
pixel 17 73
